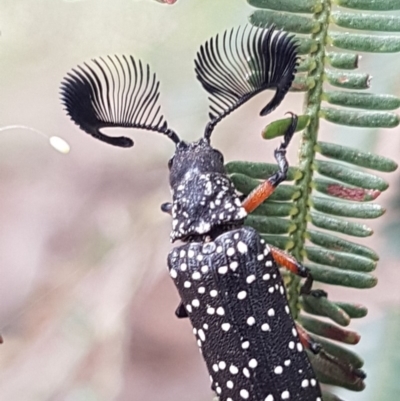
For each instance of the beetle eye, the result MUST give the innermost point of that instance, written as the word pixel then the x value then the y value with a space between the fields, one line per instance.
pixel 170 162
pixel 220 156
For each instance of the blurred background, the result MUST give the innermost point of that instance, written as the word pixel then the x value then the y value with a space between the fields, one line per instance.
pixel 86 305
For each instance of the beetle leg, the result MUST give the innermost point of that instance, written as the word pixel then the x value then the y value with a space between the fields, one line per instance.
pixel 289 262
pixel 167 207
pixel 309 343
pixel 265 189
pixel 181 312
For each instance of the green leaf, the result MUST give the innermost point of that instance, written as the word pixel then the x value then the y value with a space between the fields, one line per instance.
pixel 367 22
pixel 354 156
pixel 359 100
pixel 329 330
pixel 324 307
pixel 334 276
pixel 333 242
pixel 338 190
pixel 350 176
pixel 347 209
pixel 288 22
pixel 371 5
pixel 268 225
pixel 279 127
pixel 365 43
pixel 360 118
pixel 342 226
pixel 298 6
pixel 340 260
pixel 348 80
pixel 345 61
pixel 257 170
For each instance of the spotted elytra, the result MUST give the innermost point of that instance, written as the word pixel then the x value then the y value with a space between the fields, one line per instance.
pixel 226 275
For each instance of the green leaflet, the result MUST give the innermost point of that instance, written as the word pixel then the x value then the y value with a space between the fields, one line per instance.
pixel 345 61
pixel 367 22
pixel 371 5
pixel 365 43
pixel 298 6
pixel 329 330
pixel 348 80
pixel 288 22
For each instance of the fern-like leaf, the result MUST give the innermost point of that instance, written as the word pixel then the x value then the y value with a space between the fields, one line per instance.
pixel 308 215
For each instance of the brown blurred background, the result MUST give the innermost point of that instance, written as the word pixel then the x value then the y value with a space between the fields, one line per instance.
pixel 86 306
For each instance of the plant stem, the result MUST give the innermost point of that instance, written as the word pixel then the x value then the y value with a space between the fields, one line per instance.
pixel 307 153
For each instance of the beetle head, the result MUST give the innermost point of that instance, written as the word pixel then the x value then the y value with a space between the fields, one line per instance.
pixel 203 197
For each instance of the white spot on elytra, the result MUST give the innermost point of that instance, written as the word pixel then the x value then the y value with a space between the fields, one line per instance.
pixel 246 372
pixel 221 311
pixel 223 270
pixel 271 290
pixel 233 369
pixel 250 279
pixel 229 384
pixel 271 312
pixel 204 269
pixel 210 310
pixel 196 276
pixel 291 345
pixel 250 321
pixel 270 398
pixel 201 290
pixel 222 365
pixel 205 326
pixel 225 326
pixel 190 253
pixel 245 344
pixel 265 327
pixel 278 370
pixel 242 247
pixel 253 363
pixel 294 332
pixel 313 382
pixel 285 395
pixel 268 263
pixel 219 249
pixel 218 390
pixel 244 394
pixel 188 308
pixel 304 383
pixel 242 295
pixel 202 335
pixel 287 310
pixel 213 293
pixel 230 252
pixel 183 267
pixel 187 284
pixel 287 362
pixel 260 257
pixel 173 273
pixel 299 347
pixel 196 303
pixel 234 265
pixel 266 277
pixel 215 367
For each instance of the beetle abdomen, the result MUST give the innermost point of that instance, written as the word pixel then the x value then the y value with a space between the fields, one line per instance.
pixel 235 298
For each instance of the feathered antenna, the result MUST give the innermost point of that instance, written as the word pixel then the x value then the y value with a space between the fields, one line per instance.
pixel 114 92
pixel 241 64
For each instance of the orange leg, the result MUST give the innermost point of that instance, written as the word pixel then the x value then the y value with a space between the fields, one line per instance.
pixel 265 189
pixel 289 262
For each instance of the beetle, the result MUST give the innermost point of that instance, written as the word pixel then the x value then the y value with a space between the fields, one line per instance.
pixel 226 275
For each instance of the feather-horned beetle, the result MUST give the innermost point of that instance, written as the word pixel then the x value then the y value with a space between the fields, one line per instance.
pixel 226 275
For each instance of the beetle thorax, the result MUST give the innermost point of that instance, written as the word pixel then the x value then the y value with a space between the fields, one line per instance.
pixel 204 200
